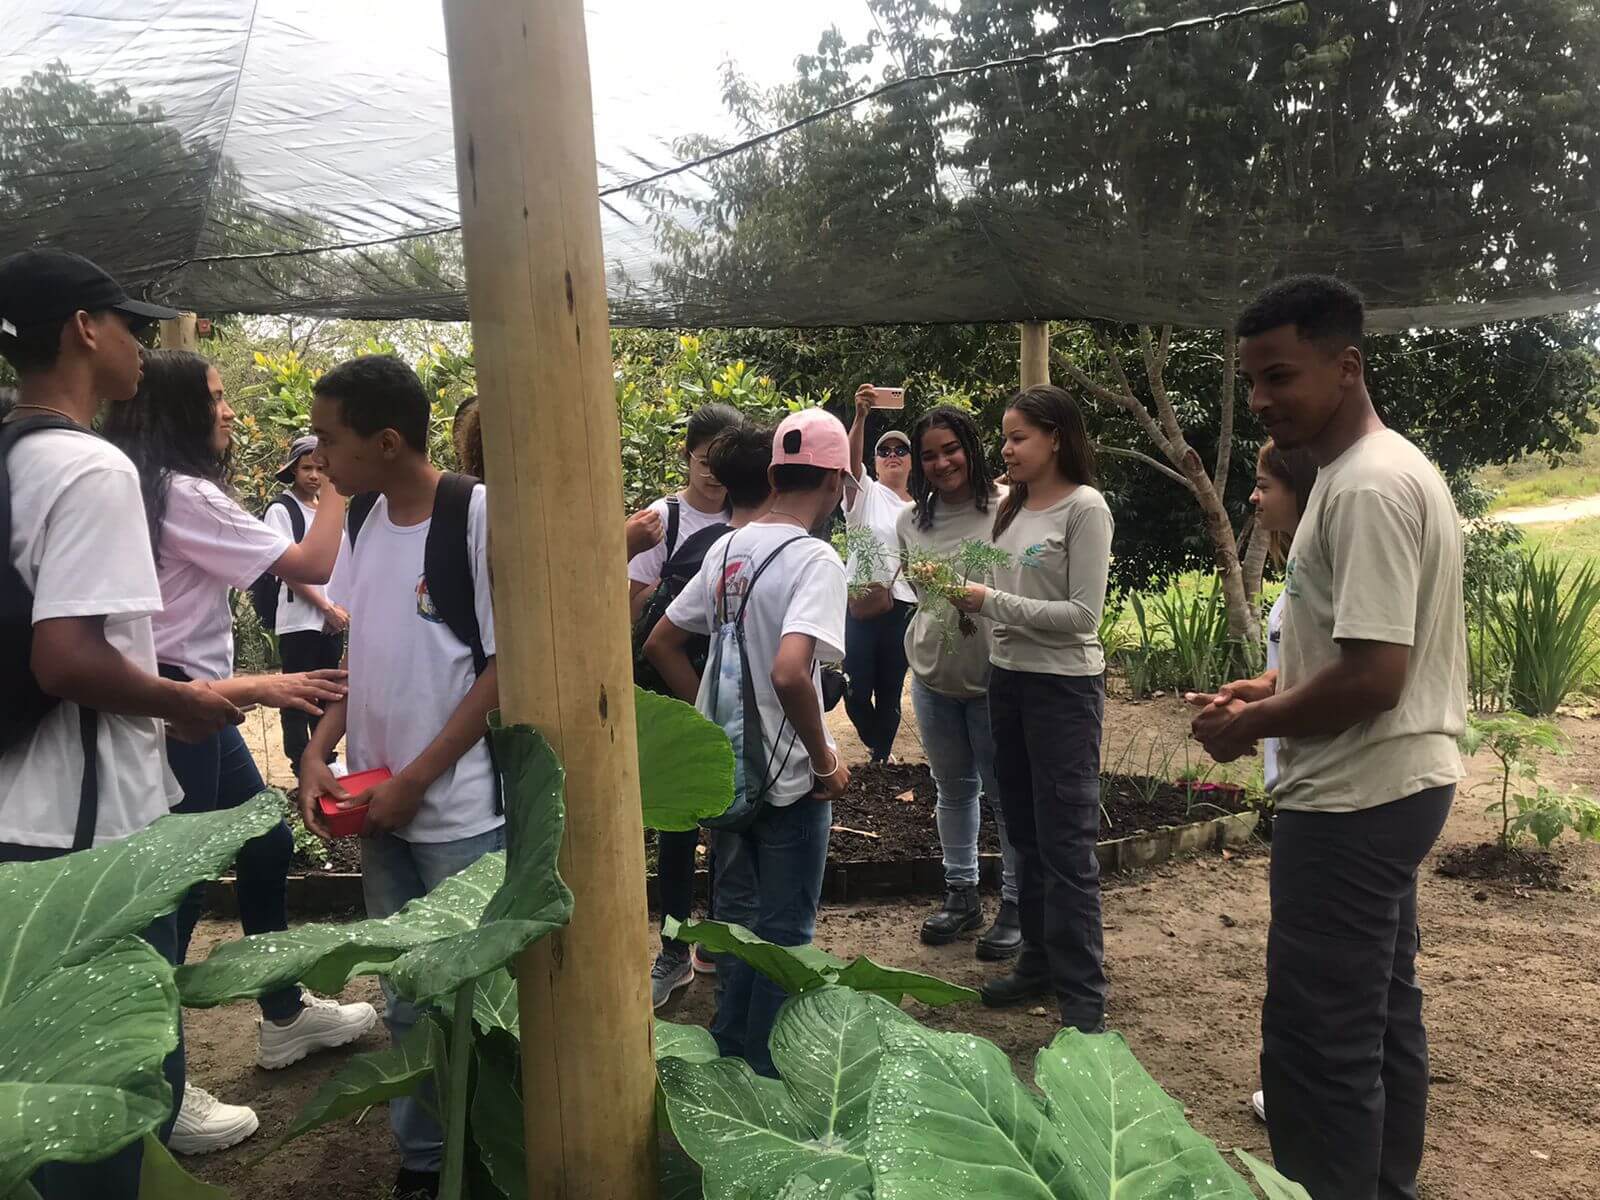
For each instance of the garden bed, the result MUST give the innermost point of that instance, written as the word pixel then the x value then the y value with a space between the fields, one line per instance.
pixel 1519 865
pixel 885 840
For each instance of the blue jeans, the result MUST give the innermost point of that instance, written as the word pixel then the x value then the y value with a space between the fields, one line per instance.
pixel 769 879
pixel 875 661
pixel 219 773
pixel 960 749
pixel 395 872
pixel 117 1177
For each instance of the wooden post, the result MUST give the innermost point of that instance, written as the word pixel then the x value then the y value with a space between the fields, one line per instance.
pixel 1035 353
pixel 530 214
pixel 180 333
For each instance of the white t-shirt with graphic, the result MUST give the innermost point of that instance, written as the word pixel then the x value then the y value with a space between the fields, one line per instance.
pixel 295 614
pixel 408 672
pixel 802 591
pixel 645 566
pixel 208 545
pixel 872 506
pixel 79 540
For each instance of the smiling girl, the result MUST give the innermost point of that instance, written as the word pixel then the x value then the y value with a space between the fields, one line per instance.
pixel 1047 699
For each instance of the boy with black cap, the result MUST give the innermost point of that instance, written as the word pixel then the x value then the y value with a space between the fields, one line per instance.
pixel 79 587
pixel 310 627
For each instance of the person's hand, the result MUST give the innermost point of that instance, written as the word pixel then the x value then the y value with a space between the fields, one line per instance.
pixel 307 691
pixel 1248 690
pixel 391 805
pixel 335 619
pixel 643 531
pixel 864 397
pixel 317 779
pixel 202 713
pixel 970 600
pixel 830 787
pixel 1218 727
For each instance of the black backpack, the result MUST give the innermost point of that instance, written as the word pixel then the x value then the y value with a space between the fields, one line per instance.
pixel 264 591
pixel 447 568
pixel 25 703
pixel 682 566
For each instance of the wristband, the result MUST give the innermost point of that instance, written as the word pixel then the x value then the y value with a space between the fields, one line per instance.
pixel 830 770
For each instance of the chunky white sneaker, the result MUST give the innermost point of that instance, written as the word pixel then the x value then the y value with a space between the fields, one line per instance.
pixel 205 1124
pixel 321 1024
pixel 1258 1103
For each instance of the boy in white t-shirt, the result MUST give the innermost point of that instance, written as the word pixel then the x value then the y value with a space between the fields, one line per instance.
pixel 791 589
pixel 310 627
pixel 79 545
pixel 417 705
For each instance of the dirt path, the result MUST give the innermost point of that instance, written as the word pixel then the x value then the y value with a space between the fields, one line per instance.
pixel 1512 982
pixel 1552 514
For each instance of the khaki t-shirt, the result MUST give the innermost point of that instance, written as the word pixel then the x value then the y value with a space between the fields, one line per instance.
pixel 1377 558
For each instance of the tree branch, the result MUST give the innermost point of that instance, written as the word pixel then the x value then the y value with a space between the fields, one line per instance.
pixel 1130 401
pixel 1124 452
pixel 1230 367
pixel 1155 365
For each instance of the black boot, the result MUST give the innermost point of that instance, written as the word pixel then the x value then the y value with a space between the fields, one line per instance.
pixel 961 913
pixel 1003 939
pixel 1027 981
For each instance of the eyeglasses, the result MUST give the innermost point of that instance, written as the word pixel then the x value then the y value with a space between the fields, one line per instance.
pixel 894 450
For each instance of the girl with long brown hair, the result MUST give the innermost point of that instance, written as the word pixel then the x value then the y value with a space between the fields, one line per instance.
pixel 1047 699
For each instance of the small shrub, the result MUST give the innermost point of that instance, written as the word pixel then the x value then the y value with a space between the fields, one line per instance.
pixel 1541 629
pixel 1544 813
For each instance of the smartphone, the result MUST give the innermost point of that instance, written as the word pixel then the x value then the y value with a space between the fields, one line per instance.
pixel 887 397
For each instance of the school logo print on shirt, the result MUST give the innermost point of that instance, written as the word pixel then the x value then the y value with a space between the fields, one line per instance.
pixel 1032 555
pixel 425 606
pixel 1289 584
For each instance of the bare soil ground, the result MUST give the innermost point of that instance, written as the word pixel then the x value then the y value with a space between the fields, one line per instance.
pixel 1512 977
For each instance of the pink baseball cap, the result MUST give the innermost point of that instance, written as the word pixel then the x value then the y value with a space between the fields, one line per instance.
pixel 811 438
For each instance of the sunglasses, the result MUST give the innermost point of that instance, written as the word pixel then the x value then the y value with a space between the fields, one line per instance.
pixel 894 450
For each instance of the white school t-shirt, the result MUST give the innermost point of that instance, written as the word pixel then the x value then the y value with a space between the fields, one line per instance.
pixel 295 614
pixel 802 591
pixel 1269 746
pixel 872 506
pixel 408 672
pixel 208 545
pixel 645 566
pixel 79 540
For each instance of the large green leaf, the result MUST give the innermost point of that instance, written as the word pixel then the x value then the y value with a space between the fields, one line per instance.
pixel 472 924
pixel 494 1004
pixel 497 1112
pixel 748 1134
pixel 1130 1135
pixel 685 763
pixel 680 1177
pixel 80 1059
pixel 63 910
pixel 691 1042
pixel 949 1120
pixel 161 1178
pixel 372 1078
pixel 1275 1185
pixel 825 1044
pixel 802 968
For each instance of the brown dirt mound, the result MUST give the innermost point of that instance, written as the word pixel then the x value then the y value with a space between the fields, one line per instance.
pixel 1489 860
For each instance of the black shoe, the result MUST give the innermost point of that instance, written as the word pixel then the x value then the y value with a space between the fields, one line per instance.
pixel 415 1185
pixel 1022 984
pixel 1003 939
pixel 960 914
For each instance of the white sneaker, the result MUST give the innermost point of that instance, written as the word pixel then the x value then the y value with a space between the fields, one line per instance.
pixel 321 1024
pixel 205 1124
pixel 1258 1102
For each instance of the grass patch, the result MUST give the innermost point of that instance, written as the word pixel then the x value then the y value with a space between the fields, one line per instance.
pixel 1533 481
pixel 1572 540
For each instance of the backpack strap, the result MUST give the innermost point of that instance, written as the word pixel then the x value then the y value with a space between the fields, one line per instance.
pixel 447 563
pixel 11 432
pixel 297 519
pixel 356 515
pixel 672 524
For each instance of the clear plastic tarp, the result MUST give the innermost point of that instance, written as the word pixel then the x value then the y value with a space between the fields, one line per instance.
pixel 838 162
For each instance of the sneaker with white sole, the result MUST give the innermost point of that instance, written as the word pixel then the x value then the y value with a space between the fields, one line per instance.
pixel 704 964
pixel 1258 1105
pixel 321 1025
pixel 205 1124
pixel 669 976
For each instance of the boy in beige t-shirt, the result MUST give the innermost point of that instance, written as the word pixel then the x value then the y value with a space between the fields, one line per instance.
pixel 1369 701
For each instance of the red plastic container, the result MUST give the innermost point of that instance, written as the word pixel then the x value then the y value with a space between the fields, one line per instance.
pixel 348 822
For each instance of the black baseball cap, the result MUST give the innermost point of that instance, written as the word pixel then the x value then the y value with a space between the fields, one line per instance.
pixel 38 287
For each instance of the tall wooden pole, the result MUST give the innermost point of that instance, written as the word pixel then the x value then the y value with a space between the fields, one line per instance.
pixel 530 214
pixel 180 333
pixel 1035 353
